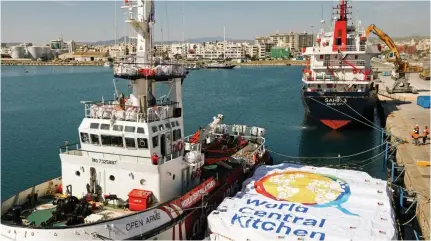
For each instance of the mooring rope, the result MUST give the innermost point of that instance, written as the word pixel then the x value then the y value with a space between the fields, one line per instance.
pixel 326 157
pixel 346 165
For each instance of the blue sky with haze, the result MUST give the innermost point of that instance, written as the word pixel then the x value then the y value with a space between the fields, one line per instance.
pixel 39 22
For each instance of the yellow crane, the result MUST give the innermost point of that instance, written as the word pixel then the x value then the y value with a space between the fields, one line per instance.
pixel 401 66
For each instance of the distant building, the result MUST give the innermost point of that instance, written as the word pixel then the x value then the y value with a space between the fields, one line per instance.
pixel 291 40
pixel 280 53
pixel 85 56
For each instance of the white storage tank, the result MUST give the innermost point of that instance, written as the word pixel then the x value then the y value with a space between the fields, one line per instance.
pixel 18 52
pixel 34 52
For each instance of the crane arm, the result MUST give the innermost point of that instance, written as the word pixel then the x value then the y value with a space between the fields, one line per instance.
pixel 401 66
pixel 385 38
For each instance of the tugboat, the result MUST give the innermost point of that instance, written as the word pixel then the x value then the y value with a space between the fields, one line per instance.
pixel 338 84
pixel 133 174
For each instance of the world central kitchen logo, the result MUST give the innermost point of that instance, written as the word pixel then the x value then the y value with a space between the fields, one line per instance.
pixel 307 188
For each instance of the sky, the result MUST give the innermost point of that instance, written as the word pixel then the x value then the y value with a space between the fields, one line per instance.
pixel 41 21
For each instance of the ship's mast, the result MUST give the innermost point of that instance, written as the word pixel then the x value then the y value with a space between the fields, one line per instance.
pixel 142 20
pixel 340 27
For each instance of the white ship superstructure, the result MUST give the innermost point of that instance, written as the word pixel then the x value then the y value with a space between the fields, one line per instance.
pixel 133 174
pixel 338 66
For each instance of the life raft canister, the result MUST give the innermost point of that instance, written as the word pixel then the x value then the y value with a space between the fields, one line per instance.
pixel 255 156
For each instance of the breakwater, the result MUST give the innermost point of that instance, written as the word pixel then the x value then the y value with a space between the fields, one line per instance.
pixel 273 63
pixel 48 63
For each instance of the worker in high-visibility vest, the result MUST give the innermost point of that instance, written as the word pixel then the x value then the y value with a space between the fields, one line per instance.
pixel 425 134
pixel 415 135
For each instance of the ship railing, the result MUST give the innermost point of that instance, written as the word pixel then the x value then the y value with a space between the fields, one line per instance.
pixel 341 63
pixel 318 78
pixel 133 68
pixel 253 134
pixel 351 48
pixel 114 110
pixel 71 149
pixel 75 149
pixel 331 78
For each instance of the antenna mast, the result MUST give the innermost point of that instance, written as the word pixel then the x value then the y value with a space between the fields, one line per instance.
pixel 115 22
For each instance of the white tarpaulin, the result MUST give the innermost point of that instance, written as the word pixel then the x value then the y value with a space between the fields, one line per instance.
pixel 293 202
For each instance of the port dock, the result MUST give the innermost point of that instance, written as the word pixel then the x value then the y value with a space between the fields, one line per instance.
pixel 411 165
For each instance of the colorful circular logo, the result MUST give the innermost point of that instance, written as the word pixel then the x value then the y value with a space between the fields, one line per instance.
pixel 307 188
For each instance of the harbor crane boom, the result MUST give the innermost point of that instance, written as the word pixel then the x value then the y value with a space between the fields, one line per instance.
pixel 400 65
pixel 401 84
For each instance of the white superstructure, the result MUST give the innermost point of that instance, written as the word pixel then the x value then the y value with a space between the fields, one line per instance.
pixel 340 59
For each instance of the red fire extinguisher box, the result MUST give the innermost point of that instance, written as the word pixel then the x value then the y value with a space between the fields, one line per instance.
pixel 139 199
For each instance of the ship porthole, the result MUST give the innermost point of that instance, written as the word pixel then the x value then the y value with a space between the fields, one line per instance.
pixel 173 177
pixel 78 173
pixel 112 178
pixel 142 181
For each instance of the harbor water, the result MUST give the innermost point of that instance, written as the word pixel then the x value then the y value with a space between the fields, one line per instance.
pixel 41 110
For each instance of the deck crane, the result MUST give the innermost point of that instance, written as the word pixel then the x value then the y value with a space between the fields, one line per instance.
pixel 401 84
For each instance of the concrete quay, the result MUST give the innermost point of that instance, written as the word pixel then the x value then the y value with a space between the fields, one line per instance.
pixel 403 114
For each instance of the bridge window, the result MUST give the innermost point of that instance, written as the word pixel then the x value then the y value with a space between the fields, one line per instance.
pixel 95 139
pixel 173 124
pixel 94 125
pixel 112 141
pixel 141 130
pixel 168 126
pixel 176 134
pixel 85 138
pixel 142 143
pixel 178 124
pixel 105 127
pixel 129 129
pixel 155 141
pixel 161 127
pixel 118 128
pixel 130 142
pixel 154 128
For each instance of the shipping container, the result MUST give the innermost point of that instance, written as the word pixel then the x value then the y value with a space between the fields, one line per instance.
pixel 423 101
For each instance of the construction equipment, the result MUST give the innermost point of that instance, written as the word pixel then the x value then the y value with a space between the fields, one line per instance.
pixel 401 84
pixel 425 74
